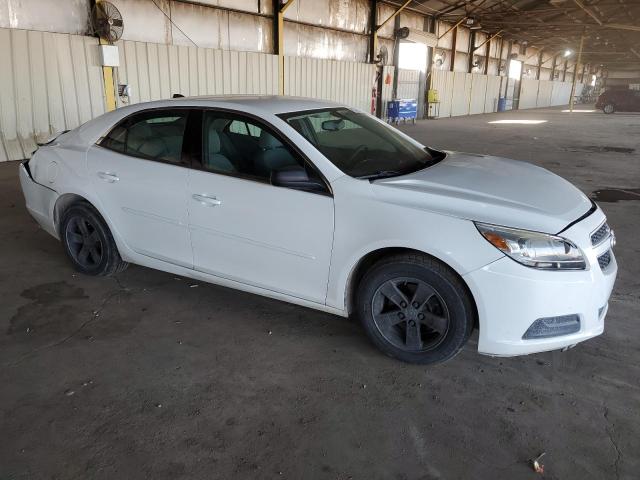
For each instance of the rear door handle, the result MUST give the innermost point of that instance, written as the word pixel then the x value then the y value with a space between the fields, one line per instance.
pixel 206 200
pixel 108 177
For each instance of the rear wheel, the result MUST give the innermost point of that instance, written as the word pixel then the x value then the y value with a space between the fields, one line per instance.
pixel 609 108
pixel 89 243
pixel 415 309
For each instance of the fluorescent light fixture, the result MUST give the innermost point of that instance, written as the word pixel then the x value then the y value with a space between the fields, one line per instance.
pixel 567 53
pixel 521 122
pixel 578 111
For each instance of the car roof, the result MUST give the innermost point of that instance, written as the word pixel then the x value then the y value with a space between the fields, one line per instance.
pixel 274 104
pixel 262 105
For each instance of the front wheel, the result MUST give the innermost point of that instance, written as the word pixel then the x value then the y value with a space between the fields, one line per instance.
pixel 88 242
pixel 415 309
pixel 609 108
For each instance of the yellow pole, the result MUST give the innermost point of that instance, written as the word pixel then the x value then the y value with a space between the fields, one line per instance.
pixel 109 85
pixel 280 14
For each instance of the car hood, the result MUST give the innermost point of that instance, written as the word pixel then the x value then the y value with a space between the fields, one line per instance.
pixel 489 189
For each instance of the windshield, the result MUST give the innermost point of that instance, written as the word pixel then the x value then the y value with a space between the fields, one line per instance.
pixel 358 144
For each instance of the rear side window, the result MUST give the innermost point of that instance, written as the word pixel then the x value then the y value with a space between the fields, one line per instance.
pixel 115 139
pixel 153 135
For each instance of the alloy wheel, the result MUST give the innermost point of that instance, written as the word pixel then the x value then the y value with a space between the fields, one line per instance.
pixel 410 314
pixel 85 244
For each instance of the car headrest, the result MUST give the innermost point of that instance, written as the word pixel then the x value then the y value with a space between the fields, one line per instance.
pixel 213 141
pixel 268 141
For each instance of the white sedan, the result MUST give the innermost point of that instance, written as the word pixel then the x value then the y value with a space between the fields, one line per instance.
pixel 324 206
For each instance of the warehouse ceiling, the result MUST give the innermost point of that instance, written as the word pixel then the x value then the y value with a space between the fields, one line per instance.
pixel 611 27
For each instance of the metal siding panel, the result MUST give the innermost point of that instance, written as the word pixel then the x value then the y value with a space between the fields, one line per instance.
pixel 67 81
pixel 492 94
pixel 193 71
pixel 544 93
pixel 183 70
pixel 55 104
pixel 130 60
pixel 81 78
pixel 153 68
pixel 94 75
pixel 164 73
pixel 262 68
pixel 218 72
pixel 461 94
pixel 210 75
pixel 12 150
pixel 478 93
pixel 233 72
pixel 528 93
pixel 241 72
pixel 174 70
pixel 22 88
pixel 408 84
pixel 202 70
pixel 38 77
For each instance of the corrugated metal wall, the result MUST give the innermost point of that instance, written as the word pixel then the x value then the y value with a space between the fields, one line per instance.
pixel 408 84
pixel 53 82
pixel 478 93
pixel 493 93
pixel 465 93
pixel 545 93
pixel 49 82
pixel 442 81
pixel 388 73
pixel 528 93
pixel 350 83
pixel 156 71
pixel 469 93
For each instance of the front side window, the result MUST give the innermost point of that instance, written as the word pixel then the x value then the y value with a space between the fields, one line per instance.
pixel 241 147
pixel 154 135
pixel 359 145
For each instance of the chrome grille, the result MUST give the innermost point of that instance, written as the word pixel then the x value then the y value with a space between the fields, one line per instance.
pixel 600 234
pixel 605 259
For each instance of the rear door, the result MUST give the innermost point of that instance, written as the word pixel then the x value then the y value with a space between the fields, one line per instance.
pixel 247 230
pixel 140 175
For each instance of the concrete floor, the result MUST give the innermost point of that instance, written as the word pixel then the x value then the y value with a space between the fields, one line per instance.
pixel 146 375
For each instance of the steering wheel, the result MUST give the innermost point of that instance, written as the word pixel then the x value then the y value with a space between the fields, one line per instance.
pixel 359 151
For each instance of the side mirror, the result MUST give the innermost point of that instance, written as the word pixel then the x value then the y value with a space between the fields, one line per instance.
pixel 295 176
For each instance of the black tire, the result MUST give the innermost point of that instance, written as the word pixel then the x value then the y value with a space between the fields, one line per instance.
pixel 447 313
pixel 88 242
pixel 609 108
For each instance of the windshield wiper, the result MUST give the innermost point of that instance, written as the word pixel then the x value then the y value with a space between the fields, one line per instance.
pixel 380 174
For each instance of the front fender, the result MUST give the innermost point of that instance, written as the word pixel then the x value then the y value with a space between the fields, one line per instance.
pixel 364 224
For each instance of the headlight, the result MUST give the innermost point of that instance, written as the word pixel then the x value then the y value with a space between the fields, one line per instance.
pixel 534 249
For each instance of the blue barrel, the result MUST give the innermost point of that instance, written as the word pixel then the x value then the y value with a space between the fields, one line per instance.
pixel 502 104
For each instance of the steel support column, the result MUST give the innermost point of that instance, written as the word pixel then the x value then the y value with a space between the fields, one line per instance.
pixel 376 28
pixel 279 8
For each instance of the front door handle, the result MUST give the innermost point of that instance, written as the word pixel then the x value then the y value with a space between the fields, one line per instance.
pixel 108 177
pixel 206 200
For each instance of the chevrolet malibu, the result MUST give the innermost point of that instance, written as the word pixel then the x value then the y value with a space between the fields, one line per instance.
pixel 327 207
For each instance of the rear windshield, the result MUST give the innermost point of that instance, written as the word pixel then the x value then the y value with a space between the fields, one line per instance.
pixel 360 145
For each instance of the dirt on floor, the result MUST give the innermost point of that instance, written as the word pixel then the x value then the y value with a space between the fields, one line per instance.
pixel 148 375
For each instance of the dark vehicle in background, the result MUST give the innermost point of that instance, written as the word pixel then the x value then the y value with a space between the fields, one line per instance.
pixel 619 100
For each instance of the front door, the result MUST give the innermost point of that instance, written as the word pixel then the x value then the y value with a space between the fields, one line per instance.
pixel 247 230
pixel 140 179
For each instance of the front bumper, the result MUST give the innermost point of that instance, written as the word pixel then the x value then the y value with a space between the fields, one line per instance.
pixel 510 297
pixel 40 201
